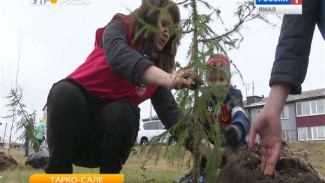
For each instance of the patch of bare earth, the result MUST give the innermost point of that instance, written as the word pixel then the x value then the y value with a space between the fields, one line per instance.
pixel 244 166
pixel 7 161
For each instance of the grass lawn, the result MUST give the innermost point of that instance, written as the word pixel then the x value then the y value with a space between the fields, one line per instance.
pixel 315 150
pixel 160 172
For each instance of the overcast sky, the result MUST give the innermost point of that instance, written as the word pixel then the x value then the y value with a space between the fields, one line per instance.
pixel 55 40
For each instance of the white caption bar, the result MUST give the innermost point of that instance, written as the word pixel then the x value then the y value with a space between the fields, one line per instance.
pixel 279 9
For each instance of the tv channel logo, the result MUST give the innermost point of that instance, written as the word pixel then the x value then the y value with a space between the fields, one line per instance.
pixel 278 6
pixel 43 2
pixel 59 2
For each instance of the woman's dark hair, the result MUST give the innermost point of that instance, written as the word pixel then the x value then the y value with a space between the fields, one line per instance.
pixel 144 21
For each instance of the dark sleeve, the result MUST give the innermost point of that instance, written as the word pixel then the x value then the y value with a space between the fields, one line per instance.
pixel 235 98
pixel 166 107
pixel 168 112
pixel 238 114
pixel 122 59
pixel 292 52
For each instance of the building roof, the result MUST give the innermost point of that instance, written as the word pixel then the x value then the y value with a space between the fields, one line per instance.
pixel 305 95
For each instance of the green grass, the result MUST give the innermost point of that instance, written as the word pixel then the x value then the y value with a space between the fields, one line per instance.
pixel 160 172
pixel 315 151
pixel 154 172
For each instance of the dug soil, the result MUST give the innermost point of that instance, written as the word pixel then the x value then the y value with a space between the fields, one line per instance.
pixel 7 161
pixel 243 166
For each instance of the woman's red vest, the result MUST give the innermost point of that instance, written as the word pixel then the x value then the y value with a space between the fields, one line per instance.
pixel 96 75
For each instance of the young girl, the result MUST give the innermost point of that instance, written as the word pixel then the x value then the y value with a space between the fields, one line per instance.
pixel 93 118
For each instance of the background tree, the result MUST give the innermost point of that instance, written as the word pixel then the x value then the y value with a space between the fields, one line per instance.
pixel 20 118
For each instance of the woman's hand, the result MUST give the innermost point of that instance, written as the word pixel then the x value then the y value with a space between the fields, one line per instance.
pixel 178 80
pixel 184 79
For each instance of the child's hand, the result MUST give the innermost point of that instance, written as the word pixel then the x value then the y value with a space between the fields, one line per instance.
pixel 225 152
pixel 233 136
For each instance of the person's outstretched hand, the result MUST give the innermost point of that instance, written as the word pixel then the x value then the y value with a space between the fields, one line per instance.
pixel 185 79
pixel 268 126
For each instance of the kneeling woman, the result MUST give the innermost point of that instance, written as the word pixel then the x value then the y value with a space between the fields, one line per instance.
pixel 93 118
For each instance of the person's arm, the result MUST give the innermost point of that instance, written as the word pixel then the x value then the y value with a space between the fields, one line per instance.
pixel 288 73
pixel 178 80
pixel 293 49
pixel 122 59
pixel 238 115
pixel 166 107
pixel 167 110
pixel 277 98
pixel 268 126
pixel 205 148
pixel 136 68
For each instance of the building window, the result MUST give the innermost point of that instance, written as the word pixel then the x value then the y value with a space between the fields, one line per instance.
pixel 321 132
pixel 314 132
pixel 313 107
pixel 311 133
pixel 321 106
pixel 299 109
pixel 302 134
pixel 305 108
pixel 285 113
pixel 308 108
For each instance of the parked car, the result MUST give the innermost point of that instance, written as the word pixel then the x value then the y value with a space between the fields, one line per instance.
pixel 150 129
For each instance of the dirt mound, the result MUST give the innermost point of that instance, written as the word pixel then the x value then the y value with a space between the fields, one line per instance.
pixel 244 166
pixel 6 161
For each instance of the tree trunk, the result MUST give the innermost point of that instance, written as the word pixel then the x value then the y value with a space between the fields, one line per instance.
pixel 12 127
pixel 194 58
pixel 4 136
